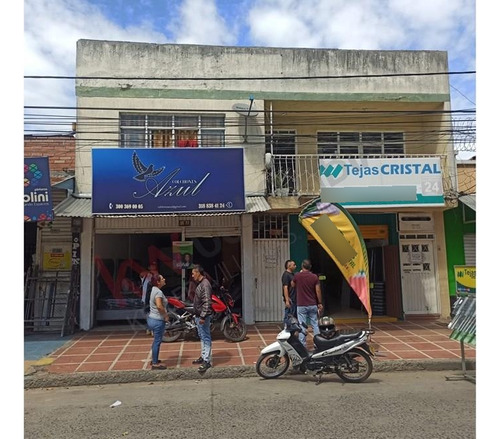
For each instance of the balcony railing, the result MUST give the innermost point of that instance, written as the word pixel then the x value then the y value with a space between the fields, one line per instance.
pixel 297 175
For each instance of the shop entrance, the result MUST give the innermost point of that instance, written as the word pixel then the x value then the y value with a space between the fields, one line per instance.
pixel 340 300
pixel 120 258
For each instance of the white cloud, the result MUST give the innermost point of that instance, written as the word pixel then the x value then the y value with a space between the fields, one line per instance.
pixel 374 25
pixel 199 22
pixel 51 30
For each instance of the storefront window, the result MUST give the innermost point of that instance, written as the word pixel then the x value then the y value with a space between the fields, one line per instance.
pixel 120 259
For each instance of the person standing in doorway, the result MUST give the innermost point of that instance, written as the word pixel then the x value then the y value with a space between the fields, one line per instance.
pixel 202 305
pixel 146 286
pixel 288 291
pixel 308 293
pixel 157 318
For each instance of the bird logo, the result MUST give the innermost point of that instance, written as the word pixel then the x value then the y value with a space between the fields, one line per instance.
pixel 143 171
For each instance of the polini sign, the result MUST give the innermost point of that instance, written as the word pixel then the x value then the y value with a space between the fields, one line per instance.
pixel 37 195
pixel 152 181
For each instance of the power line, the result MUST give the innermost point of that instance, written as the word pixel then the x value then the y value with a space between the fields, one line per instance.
pixel 249 78
pixel 202 110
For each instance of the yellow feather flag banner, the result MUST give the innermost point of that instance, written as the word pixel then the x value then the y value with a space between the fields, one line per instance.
pixel 337 232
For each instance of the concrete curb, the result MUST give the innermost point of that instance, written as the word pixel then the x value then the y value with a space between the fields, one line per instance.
pixel 41 379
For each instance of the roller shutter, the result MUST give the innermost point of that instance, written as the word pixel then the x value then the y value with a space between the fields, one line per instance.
pixel 470 249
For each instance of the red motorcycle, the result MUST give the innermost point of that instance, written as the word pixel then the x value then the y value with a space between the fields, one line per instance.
pixel 181 315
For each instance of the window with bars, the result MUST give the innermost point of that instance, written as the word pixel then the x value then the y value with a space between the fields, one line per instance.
pixel 345 143
pixel 270 226
pixel 167 131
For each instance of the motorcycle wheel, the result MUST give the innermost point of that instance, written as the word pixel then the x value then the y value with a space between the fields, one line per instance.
pixel 271 365
pixel 356 368
pixel 233 331
pixel 171 336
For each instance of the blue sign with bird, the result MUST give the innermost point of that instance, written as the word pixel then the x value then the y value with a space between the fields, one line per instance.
pixel 177 180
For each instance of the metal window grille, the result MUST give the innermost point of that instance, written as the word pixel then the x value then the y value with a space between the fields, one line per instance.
pixel 354 143
pixel 173 130
pixel 270 227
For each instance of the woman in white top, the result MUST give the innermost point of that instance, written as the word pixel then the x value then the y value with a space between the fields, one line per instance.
pixel 157 318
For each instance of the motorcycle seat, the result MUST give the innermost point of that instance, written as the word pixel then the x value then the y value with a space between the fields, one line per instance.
pixel 325 343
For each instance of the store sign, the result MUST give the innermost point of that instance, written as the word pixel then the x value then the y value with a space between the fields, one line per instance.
pixel 382 182
pixel 176 180
pixel 57 258
pixel 37 194
pixel 465 279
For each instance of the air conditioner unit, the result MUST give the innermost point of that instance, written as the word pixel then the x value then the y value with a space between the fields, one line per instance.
pixel 409 222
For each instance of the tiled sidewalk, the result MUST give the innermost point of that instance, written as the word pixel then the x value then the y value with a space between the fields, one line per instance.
pixel 130 349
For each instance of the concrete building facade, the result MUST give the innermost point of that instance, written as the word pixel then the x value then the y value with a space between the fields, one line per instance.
pixel 286 109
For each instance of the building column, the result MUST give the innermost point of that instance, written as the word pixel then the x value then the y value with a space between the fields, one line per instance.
pixel 86 276
pixel 247 276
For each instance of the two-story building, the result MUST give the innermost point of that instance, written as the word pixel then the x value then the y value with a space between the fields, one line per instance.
pixel 379 119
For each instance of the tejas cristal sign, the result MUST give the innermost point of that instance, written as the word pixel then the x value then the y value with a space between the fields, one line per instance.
pixel 153 181
pixel 382 182
pixel 37 195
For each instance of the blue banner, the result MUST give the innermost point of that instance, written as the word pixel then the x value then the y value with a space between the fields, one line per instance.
pixel 37 193
pixel 177 180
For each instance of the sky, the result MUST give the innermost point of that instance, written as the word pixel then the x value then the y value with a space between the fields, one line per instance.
pixel 52 27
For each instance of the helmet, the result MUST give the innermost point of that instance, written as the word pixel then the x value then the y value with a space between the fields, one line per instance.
pixel 327 326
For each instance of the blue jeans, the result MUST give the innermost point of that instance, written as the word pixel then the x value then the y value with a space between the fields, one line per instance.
pixel 205 338
pixel 158 329
pixel 305 312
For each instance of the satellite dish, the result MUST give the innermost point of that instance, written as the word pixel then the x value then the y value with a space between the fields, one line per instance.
pixel 244 110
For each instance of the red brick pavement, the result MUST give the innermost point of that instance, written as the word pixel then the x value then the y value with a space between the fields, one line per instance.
pixel 128 348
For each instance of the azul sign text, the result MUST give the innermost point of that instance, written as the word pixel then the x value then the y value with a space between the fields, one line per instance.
pixel 146 180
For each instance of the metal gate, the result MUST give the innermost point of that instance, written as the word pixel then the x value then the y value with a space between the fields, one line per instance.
pixel 418 276
pixel 269 256
pixel 51 301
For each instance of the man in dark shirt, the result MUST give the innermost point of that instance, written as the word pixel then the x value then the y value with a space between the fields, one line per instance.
pixel 202 305
pixel 288 291
pixel 308 293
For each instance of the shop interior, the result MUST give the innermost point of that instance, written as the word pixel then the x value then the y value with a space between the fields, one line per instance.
pixel 340 301
pixel 120 258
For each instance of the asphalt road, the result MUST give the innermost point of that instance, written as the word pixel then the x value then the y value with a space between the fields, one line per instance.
pixel 389 405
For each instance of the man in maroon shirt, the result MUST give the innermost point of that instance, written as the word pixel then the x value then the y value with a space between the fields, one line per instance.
pixel 308 294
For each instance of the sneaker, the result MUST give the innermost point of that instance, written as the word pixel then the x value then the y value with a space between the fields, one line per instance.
pixel 205 365
pixel 151 363
pixel 158 367
pixel 198 361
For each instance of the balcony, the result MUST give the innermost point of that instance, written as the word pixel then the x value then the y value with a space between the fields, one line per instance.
pixel 298 175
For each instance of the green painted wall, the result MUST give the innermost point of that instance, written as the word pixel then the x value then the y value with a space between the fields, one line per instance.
pixel 298 240
pixel 455 253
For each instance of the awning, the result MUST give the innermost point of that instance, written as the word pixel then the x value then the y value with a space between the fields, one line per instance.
pixel 82 208
pixel 74 207
pixel 257 204
pixel 68 183
pixel 469 201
